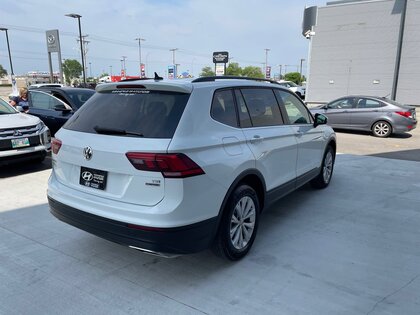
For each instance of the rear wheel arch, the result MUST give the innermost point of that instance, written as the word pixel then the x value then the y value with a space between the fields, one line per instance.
pixel 252 178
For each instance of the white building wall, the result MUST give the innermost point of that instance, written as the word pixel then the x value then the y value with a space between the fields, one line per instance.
pixel 354 50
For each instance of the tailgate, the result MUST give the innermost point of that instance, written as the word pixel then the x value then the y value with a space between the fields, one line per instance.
pixel 97 164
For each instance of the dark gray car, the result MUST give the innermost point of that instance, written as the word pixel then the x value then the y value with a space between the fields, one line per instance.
pixel 379 115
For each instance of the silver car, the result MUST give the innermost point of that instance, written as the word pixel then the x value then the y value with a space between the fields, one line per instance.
pixel 379 115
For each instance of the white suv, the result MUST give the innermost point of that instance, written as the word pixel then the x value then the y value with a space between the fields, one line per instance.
pixel 175 167
pixel 292 86
pixel 22 136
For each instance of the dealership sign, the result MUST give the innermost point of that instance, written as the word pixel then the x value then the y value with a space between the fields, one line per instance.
pixel 220 57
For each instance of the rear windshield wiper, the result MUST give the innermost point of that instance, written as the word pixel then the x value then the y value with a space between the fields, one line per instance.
pixel 112 131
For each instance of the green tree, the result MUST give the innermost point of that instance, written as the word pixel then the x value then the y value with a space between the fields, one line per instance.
pixel 233 69
pixel 252 72
pixel 207 72
pixel 294 77
pixel 72 69
pixel 3 72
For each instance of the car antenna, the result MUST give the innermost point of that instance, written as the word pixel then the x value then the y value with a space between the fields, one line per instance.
pixel 157 77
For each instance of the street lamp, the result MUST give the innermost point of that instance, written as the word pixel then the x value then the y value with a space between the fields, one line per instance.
pixel 140 39
pixel 78 16
pixel 12 75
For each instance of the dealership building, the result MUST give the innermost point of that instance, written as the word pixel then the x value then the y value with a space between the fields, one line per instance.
pixel 369 47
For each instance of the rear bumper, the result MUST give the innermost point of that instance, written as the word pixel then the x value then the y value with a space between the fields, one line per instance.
pixel 406 127
pixel 23 156
pixel 179 240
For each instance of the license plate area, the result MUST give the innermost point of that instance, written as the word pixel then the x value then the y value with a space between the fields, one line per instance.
pixel 19 143
pixel 93 178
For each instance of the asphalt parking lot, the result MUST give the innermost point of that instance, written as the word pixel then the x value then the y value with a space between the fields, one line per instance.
pixel 352 248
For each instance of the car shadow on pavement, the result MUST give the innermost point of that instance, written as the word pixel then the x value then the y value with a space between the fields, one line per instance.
pixel 404 135
pixel 20 168
pixel 409 155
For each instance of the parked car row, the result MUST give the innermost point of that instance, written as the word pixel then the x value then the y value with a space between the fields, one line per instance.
pixel 22 136
pixel 55 105
pixel 379 115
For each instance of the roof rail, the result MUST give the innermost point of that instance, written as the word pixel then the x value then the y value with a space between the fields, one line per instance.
pixel 230 77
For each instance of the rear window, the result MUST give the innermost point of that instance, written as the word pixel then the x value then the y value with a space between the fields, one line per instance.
pixel 79 97
pixel 138 113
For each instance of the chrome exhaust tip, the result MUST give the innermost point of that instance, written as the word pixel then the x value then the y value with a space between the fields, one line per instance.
pixel 151 252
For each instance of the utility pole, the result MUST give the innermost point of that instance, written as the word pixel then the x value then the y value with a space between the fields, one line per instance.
pixel 123 65
pixel 140 39
pixel 280 72
pixel 300 69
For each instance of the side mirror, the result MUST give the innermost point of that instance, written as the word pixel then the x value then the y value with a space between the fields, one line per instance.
pixel 62 108
pixel 19 109
pixel 320 120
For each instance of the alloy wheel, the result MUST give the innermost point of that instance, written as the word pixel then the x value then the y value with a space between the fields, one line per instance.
pixel 242 223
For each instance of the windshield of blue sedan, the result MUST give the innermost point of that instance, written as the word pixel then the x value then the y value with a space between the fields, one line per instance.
pixel 6 108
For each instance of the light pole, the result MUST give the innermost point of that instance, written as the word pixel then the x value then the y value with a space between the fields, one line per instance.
pixel 90 69
pixel 173 54
pixel 266 60
pixel 173 61
pixel 280 72
pixel 140 39
pixel 12 75
pixel 300 69
pixel 78 16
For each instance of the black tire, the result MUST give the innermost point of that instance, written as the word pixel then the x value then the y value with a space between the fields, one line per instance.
pixel 381 129
pixel 324 177
pixel 225 244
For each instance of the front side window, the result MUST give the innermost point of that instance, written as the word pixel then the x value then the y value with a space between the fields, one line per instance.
pixel 262 107
pixel 43 100
pixel 296 111
pixel 141 113
pixel 223 108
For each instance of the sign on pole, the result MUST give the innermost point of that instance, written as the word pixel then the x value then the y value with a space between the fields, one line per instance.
pixel 53 45
pixel 220 59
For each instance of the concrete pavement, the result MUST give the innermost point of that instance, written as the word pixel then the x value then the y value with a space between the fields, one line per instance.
pixel 352 248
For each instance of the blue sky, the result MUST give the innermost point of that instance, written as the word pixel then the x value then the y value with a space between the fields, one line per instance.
pixel 196 27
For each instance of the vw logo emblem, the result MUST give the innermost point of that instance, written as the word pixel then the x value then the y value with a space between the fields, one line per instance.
pixel 17 133
pixel 87 176
pixel 51 39
pixel 87 153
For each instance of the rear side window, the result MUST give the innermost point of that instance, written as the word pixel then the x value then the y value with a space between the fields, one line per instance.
pixel 262 107
pixel 295 110
pixel 223 108
pixel 142 113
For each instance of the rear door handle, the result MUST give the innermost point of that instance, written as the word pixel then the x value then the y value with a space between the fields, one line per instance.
pixel 256 139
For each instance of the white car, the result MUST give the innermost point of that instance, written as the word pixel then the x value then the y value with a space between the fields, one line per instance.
pixel 292 86
pixel 22 136
pixel 177 166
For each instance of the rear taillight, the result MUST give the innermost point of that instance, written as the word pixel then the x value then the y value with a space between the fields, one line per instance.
pixel 176 165
pixel 55 145
pixel 405 114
